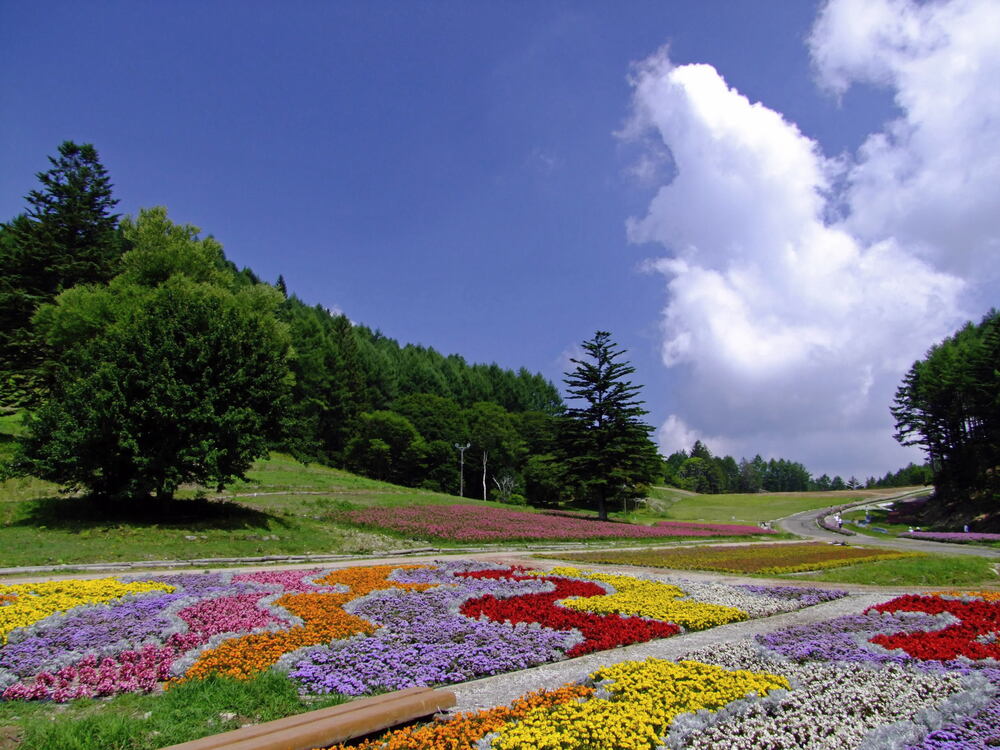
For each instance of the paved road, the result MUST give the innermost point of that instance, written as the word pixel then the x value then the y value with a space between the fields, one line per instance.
pixel 804 524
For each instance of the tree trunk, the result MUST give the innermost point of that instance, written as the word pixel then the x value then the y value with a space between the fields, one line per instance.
pixel 484 474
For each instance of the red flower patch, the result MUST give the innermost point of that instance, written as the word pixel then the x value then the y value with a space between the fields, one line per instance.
pixel 977 618
pixel 600 632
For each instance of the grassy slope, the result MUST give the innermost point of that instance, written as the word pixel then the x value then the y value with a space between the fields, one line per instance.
pixel 750 508
pixel 284 509
pixel 40 528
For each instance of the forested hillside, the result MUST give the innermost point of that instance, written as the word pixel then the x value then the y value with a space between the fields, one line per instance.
pixel 77 351
pixel 145 359
pixel 396 412
pixel 949 405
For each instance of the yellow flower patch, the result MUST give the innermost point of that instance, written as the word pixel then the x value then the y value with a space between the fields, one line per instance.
pixel 27 603
pixel 462 731
pixel 645 698
pixel 651 599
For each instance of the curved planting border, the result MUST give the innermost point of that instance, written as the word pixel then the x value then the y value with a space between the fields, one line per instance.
pixel 351 630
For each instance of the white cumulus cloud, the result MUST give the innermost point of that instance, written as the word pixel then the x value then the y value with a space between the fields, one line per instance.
pixel 929 179
pixel 799 287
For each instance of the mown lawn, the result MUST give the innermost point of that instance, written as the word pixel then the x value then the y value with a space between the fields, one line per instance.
pixel 937 570
pixel 878 519
pixel 38 526
pixel 287 508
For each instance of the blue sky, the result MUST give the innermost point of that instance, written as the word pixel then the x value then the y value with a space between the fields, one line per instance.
pixel 502 179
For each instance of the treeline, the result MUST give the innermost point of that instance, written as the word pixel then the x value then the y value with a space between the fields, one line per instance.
pixel 700 471
pixel 949 404
pixel 81 352
pixel 410 415
pixel 146 359
pixel 910 475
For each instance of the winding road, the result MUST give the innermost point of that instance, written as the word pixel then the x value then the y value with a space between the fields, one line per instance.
pixel 804 525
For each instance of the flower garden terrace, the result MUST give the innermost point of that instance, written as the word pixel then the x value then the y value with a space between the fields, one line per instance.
pixel 472 524
pixel 350 631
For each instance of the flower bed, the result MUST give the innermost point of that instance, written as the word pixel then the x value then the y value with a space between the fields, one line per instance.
pixel 765 559
pixel 475 523
pixel 860 681
pixel 691 528
pixel 352 630
pixel 957 537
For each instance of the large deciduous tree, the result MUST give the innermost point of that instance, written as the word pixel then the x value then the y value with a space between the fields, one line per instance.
pixel 603 442
pixel 174 372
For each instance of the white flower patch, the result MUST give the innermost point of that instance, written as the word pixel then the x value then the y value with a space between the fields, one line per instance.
pixel 755 605
pixel 831 706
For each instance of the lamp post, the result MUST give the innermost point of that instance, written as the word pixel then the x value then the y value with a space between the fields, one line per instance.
pixel 461 463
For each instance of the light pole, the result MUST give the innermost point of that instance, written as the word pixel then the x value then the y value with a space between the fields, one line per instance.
pixel 461 471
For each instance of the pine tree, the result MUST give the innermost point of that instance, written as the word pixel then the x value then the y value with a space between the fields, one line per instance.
pixel 948 405
pixel 66 237
pixel 603 443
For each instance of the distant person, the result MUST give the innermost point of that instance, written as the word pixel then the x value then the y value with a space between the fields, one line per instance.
pixel 966 528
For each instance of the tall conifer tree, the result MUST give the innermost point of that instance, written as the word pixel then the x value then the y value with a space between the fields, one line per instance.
pixel 66 237
pixel 604 444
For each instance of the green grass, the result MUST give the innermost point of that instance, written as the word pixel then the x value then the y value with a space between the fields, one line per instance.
pixel 284 508
pixel 10 424
pixel 27 488
pixel 748 508
pixel 60 531
pixel 938 570
pixel 145 722
pixel 878 518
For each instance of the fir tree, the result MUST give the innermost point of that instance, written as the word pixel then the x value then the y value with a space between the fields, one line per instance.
pixel 66 237
pixel 604 445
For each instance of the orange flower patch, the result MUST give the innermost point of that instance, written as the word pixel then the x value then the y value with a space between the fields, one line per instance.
pixel 364 580
pixel 324 620
pixel 461 732
pixel 7 598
